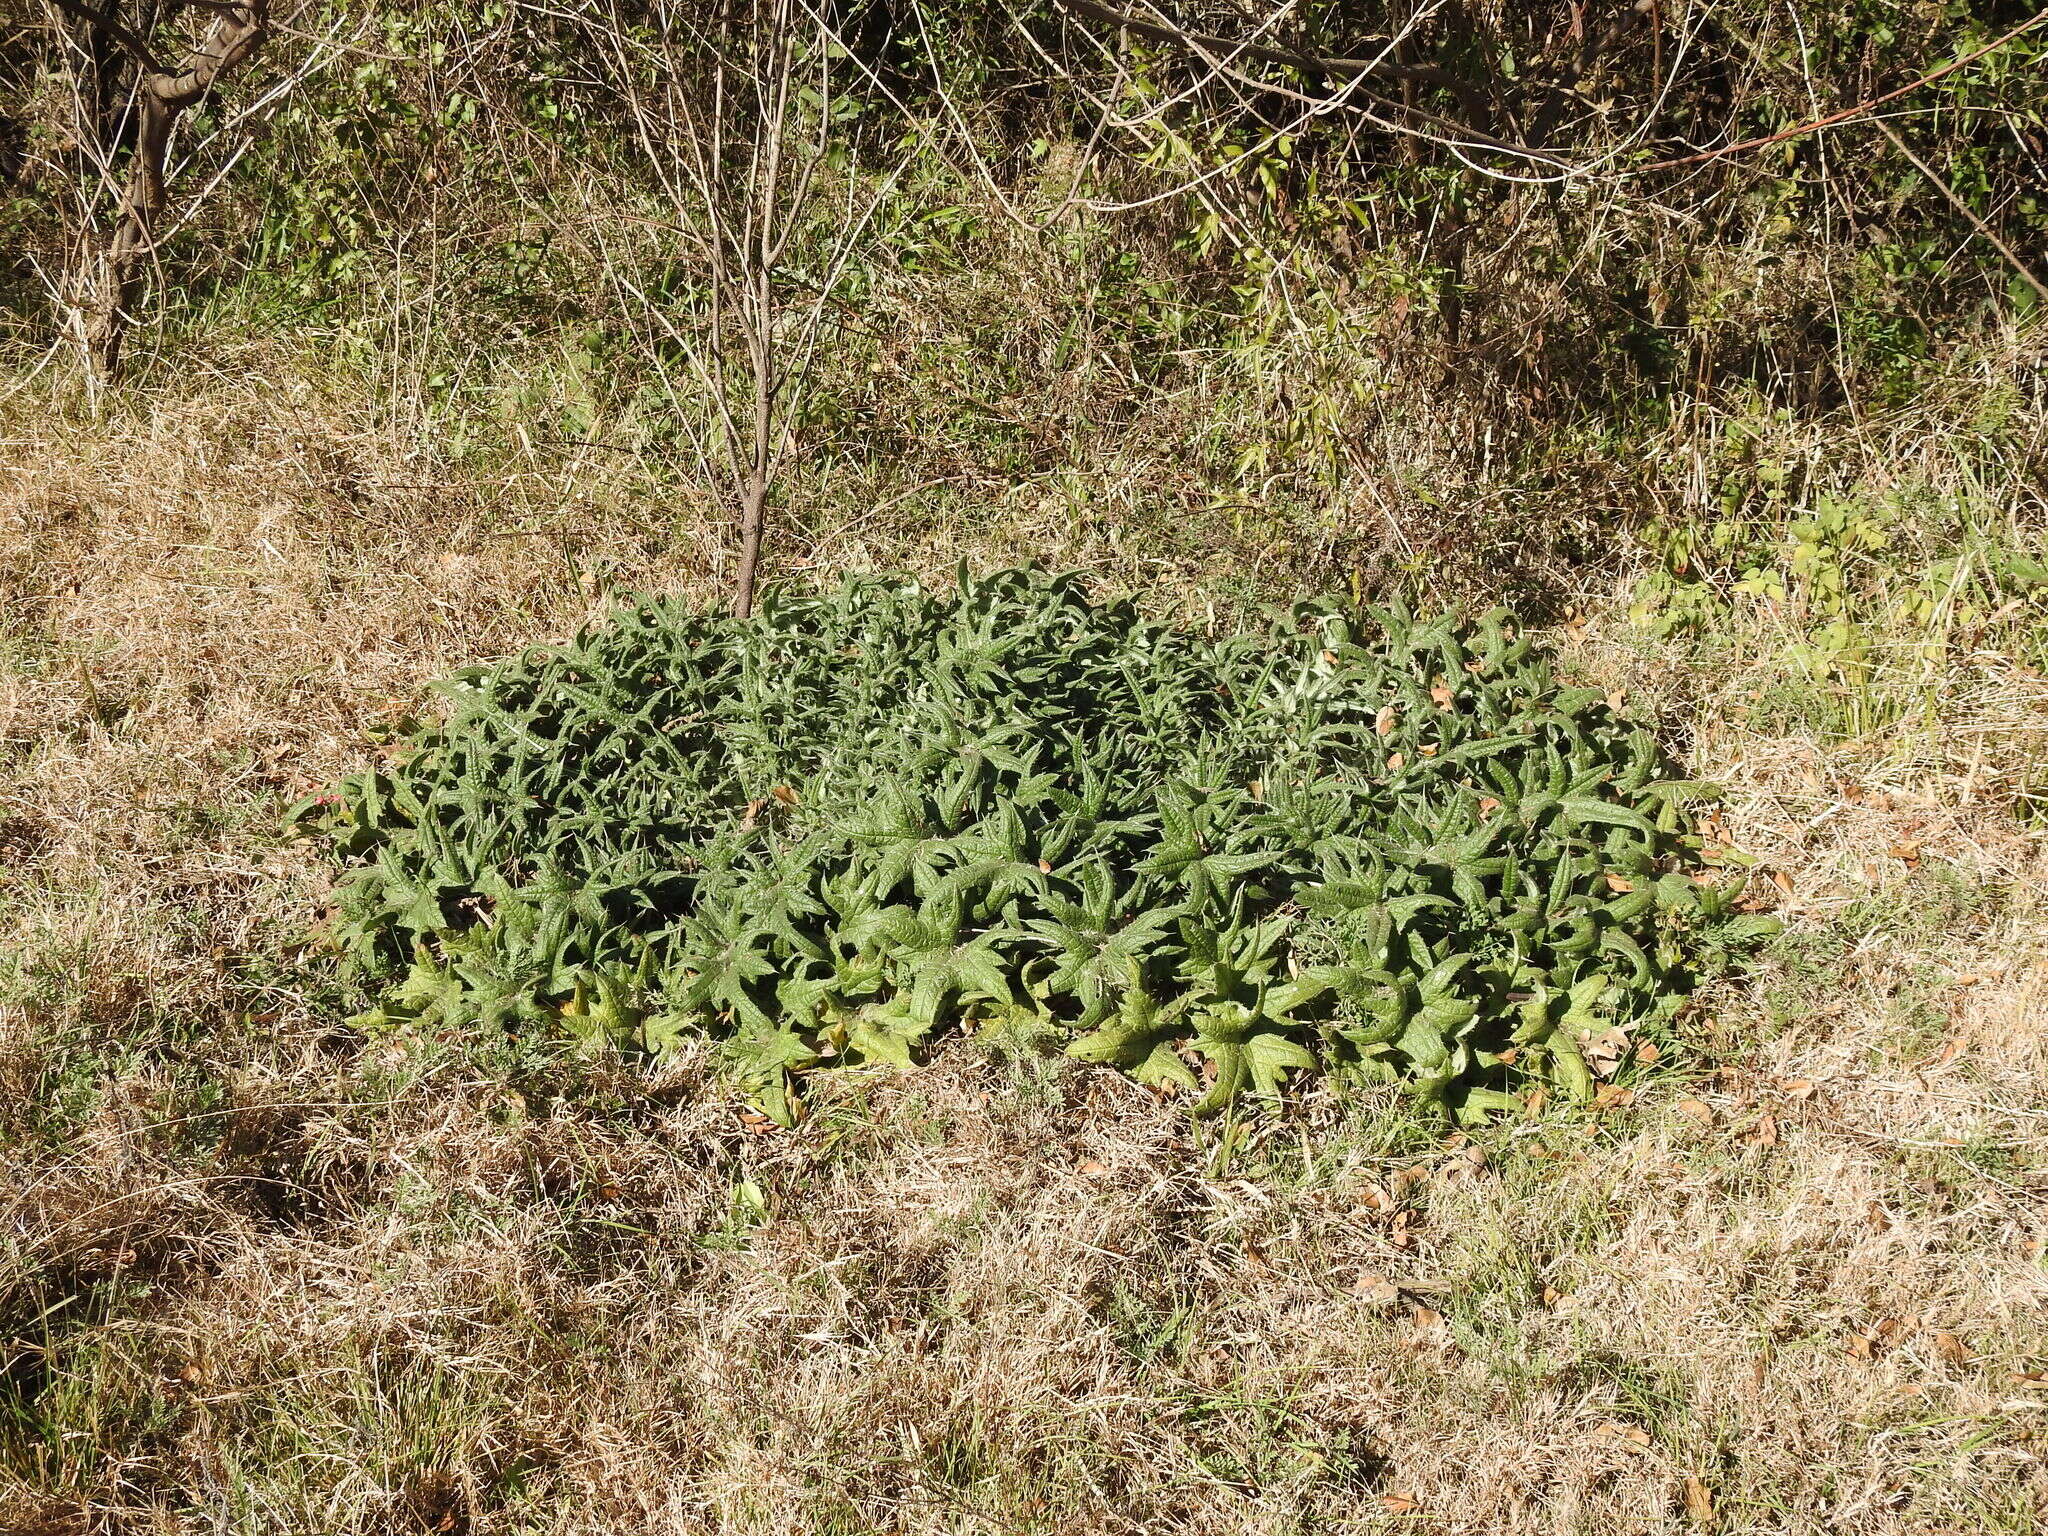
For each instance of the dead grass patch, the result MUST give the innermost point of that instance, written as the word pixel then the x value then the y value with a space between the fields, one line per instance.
pixel 259 1275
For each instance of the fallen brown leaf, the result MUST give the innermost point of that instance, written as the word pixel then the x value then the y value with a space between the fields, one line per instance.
pixel 1618 1433
pixel 1468 1161
pixel 1604 1051
pixel 1699 1501
pixel 1951 1348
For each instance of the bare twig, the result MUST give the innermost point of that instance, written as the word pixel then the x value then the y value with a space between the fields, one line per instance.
pixel 1407 118
pixel 1940 184
pixel 1861 109
pixel 1474 99
pixel 105 288
pixel 734 117
pixel 106 22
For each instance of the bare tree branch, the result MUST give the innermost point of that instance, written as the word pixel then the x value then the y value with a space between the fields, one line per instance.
pixel 110 277
pixel 1847 114
pixel 1955 200
pixel 1400 117
pixel 104 21
pixel 1471 96
pixel 734 116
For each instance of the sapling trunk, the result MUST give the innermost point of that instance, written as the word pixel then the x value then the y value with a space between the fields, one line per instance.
pixel 110 275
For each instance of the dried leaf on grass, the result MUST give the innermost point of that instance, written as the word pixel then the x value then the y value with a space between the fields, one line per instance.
pixel 1699 1500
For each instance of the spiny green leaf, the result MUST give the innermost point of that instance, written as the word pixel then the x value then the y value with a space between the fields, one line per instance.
pixel 874 812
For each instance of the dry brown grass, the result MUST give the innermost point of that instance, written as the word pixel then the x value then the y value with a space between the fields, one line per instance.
pixel 259 1275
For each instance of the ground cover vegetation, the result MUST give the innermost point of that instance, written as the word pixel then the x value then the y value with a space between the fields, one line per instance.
pixel 455 326
pixel 860 816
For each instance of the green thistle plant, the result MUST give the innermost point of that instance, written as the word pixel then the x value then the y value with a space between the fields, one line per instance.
pixel 1388 847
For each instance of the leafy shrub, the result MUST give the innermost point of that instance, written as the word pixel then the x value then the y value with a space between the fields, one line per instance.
pixel 1389 846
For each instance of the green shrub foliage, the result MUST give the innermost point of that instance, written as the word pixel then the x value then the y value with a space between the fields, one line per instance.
pixel 1383 845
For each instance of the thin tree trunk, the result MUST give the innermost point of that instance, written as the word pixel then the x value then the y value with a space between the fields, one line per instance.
pixel 111 282
pixel 754 503
pixel 761 460
pixel 114 283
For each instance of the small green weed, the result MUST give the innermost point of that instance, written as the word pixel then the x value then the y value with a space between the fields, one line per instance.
pixel 1390 847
